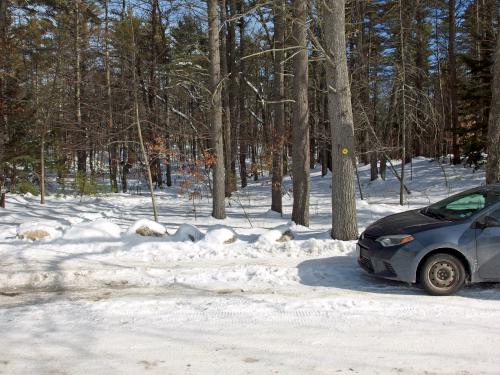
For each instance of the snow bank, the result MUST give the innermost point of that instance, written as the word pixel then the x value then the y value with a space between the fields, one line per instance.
pixel 145 227
pixel 39 230
pixel 282 233
pixel 221 235
pixel 187 232
pixel 99 229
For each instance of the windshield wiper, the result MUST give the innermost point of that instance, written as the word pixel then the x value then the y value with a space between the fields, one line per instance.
pixel 431 213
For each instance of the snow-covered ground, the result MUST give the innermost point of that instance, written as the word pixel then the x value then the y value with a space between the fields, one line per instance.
pixel 229 297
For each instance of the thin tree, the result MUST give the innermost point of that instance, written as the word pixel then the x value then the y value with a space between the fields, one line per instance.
pixel 138 119
pixel 229 181
pixel 300 128
pixel 279 106
pixel 113 154
pixel 452 80
pixel 403 100
pixel 344 223
pixel 218 195
pixel 81 153
pixel 493 165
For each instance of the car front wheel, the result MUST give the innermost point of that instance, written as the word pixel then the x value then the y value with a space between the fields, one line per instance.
pixel 442 275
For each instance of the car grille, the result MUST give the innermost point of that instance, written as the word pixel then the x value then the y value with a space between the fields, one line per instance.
pixel 366 263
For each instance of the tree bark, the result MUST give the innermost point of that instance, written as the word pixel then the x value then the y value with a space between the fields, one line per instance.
pixel 113 157
pixel 138 121
pixel 278 133
pixel 81 153
pixel 229 181
pixel 233 85
pixel 243 123
pixel 493 165
pixel 218 195
pixel 403 99
pixel 3 15
pixel 300 129
pixel 344 222
pixel 452 69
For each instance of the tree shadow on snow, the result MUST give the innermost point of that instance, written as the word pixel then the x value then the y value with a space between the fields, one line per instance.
pixel 344 273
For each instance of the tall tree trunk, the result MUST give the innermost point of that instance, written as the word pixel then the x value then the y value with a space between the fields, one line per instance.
pixel 126 166
pixel 243 123
pixel 300 129
pixel 113 157
pixel 374 155
pixel 419 76
pixel 3 15
pixel 452 71
pixel 403 99
pixel 156 50
pixel 218 195
pixel 4 66
pixel 81 153
pixel 166 96
pixel 229 180
pixel 493 166
pixel 344 222
pixel 278 133
pixel 42 167
pixel 233 86
pixel 138 120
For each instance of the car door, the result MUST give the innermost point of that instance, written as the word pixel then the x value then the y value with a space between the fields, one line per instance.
pixel 488 245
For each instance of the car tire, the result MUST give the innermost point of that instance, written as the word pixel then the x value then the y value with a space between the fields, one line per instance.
pixel 442 275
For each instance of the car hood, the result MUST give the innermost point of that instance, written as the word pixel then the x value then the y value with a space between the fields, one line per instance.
pixel 408 222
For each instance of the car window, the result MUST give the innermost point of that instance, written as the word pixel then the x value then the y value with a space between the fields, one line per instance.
pixel 470 202
pixel 495 214
pixel 461 206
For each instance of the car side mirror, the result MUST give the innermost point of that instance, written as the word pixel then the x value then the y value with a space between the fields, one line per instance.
pixel 487 222
pixel 491 221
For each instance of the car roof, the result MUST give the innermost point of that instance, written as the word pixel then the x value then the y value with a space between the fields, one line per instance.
pixel 492 187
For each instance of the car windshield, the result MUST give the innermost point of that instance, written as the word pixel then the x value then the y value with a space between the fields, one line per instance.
pixel 461 206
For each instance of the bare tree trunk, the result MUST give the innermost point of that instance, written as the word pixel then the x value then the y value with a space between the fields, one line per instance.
pixel 403 94
pixel 278 133
pixel 166 97
pixel 4 66
pixel 344 222
pixel 113 157
pixel 218 195
pixel 42 168
pixel 233 103
pixel 243 123
pixel 81 153
pixel 493 166
pixel 125 167
pixel 229 180
pixel 452 69
pixel 374 157
pixel 3 15
pixel 300 129
pixel 138 121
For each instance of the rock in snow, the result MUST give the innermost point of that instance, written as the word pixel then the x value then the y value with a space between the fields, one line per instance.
pixel 221 235
pixel 187 232
pixel 282 233
pixel 35 231
pixel 147 228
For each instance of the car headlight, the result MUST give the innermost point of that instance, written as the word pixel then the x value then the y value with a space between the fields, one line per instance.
pixel 397 239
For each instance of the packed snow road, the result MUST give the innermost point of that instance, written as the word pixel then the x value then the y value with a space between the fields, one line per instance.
pixel 335 320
